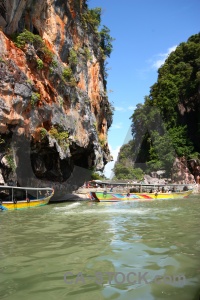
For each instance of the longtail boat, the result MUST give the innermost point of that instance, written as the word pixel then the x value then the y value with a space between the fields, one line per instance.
pixel 146 192
pixel 12 197
pixel 110 196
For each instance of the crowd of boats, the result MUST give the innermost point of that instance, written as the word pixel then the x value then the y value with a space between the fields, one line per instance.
pixel 13 197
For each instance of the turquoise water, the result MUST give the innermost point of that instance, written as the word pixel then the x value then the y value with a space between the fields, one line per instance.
pixel 83 250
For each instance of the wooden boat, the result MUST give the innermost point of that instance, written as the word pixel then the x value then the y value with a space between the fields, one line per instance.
pixel 146 192
pixel 111 196
pixel 23 197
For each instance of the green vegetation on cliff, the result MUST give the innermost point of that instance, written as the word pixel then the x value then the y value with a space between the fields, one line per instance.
pixel 56 72
pixel 124 168
pixel 167 125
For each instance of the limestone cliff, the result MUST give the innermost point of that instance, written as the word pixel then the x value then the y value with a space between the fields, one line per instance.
pixel 54 110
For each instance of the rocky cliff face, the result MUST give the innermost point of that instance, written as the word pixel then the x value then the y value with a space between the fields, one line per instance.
pixel 54 110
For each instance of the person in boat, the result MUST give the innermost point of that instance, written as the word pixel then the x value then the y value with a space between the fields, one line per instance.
pixel 185 188
pixel 163 189
pixel 47 193
pixel 111 188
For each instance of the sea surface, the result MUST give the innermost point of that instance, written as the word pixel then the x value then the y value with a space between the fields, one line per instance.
pixel 94 251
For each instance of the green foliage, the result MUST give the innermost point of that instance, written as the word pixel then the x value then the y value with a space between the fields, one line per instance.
pixel 95 126
pixel 124 167
pixel 73 59
pixel 126 172
pixel 180 141
pixel 72 81
pixel 35 97
pixel 40 64
pixel 195 155
pixel 27 37
pixel 43 133
pixel 106 41
pixel 10 160
pixel 160 146
pixel 63 135
pixel 68 76
pixel 87 53
pixel 60 136
pixel 97 176
pixel 54 63
pixel 161 152
pixel 126 153
pixel 29 81
pixel 178 79
pixel 52 66
pixel 92 18
pixel 167 124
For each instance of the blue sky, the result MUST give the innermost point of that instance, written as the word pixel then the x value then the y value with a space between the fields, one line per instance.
pixel 145 32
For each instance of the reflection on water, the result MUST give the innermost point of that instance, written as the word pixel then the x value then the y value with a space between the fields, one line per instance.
pixel 86 250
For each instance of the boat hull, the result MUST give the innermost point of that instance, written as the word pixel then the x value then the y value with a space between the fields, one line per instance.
pixel 26 203
pixel 114 197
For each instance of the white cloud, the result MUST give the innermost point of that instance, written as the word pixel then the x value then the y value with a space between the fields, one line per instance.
pixel 131 107
pixel 117 126
pixel 118 108
pixel 157 64
pixel 108 168
pixel 162 57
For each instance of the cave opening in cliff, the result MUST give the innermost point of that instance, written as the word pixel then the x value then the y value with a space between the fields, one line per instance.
pixel 81 161
pixel 35 31
pixel 47 164
pixel 80 158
